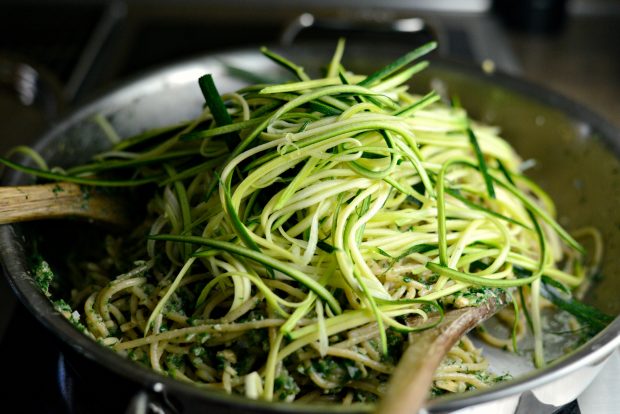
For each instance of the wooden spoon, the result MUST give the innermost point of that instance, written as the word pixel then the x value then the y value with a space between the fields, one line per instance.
pixel 410 384
pixel 60 200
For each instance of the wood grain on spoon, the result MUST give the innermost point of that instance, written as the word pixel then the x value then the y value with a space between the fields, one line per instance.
pixel 59 200
pixel 410 384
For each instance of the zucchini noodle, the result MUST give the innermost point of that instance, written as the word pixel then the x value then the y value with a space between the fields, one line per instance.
pixel 292 229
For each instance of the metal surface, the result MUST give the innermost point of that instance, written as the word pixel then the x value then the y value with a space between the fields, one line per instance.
pixel 576 162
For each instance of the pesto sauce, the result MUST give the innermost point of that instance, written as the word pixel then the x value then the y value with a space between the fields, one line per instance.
pixel 43 275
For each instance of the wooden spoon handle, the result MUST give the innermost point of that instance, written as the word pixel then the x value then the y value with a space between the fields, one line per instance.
pixel 59 200
pixel 412 379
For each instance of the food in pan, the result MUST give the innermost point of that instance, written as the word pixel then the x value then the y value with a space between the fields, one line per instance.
pixel 292 229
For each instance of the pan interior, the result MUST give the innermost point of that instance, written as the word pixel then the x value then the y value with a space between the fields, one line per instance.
pixel 573 159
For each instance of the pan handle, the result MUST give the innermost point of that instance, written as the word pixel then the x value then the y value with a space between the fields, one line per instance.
pixel 359 22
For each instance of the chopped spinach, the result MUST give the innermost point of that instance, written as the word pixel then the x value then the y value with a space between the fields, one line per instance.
pixel 43 275
pixel 474 296
pixel 284 386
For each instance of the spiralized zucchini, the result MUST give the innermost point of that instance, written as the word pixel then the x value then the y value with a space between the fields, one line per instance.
pixel 294 228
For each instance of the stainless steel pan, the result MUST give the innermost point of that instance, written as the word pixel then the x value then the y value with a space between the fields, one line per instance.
pixel 576 155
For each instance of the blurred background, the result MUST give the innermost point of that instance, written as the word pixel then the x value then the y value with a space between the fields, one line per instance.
pixel 56 55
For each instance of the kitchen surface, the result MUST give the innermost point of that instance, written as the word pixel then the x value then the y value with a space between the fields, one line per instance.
pixel 51 65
